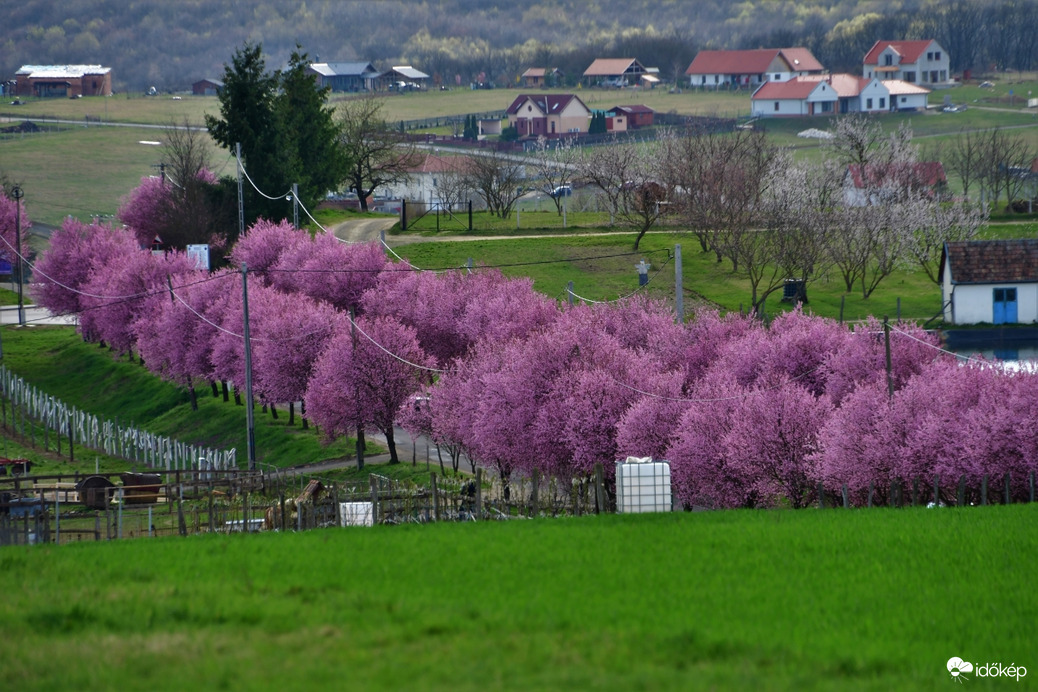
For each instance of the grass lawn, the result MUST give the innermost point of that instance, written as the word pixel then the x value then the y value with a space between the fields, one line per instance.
pixel 869 599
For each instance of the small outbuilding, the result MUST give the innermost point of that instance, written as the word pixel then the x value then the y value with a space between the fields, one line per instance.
pixel 206 87
pixel 990 281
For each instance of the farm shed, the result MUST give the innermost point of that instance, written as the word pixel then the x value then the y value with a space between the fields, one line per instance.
pixel 206 87
pixel 63 80
pixel 993 281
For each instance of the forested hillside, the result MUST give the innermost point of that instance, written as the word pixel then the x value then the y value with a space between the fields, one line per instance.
pixel 172 44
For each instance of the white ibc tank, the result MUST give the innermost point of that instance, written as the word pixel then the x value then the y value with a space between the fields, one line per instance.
pixel 355 514
pixel 643 485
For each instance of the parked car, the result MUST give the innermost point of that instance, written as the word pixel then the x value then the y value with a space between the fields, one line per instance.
pixel 562 191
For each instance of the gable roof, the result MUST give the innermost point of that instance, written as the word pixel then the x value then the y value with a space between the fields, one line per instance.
pixel 795 89
pixel 845 85
pixel 407 71
pixel 612 67
pixel 899 87
pixel 550 104
pixel 910 51
pixel 60 71
pixel 756 61
pixel 634 109
pixel 344 69
pixel 991 261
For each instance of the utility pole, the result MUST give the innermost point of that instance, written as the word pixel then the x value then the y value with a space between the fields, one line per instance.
pixel 250 425
pixel 356 394
pixel 886 338
pixel 295 206
pixel 241 202
pixel 17 193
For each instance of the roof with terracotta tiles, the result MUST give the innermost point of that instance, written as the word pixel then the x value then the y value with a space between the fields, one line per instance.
pixel 992 261
pixel 910 51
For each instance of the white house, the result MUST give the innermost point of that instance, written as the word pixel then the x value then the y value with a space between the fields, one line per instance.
pixel 728 69
pixel 794 97
pixel 993 281
pixel 871 184
pixel 424 179
pixel 922 62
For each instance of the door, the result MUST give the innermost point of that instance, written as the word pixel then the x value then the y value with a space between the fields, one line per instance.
pixel 1004 306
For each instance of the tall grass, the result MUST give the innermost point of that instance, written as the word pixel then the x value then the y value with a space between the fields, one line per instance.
pixel 833 599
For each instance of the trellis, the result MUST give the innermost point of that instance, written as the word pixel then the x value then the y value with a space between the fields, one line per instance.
pixel 110 437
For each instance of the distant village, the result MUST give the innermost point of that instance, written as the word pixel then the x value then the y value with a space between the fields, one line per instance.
pixel 781 82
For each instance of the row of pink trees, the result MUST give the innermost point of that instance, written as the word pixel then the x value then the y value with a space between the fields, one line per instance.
pixel 748 415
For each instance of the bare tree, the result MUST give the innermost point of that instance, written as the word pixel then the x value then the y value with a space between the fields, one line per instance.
pixel 552 166
pixel 940 223
pixel 496 178
pixel 1005 162
pixel 187 152
pixel 376 154
pixel 718 180
pixel 632 177
pixel 451 185
pixel 964 158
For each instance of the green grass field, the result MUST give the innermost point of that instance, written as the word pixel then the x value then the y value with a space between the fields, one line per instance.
pixel 870 599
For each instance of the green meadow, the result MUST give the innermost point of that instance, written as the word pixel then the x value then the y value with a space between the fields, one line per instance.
pixel 830 600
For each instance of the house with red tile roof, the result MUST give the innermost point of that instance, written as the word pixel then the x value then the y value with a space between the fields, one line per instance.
pixel 994 281
pixel 915 62
pixel 533 115
pixel 730 69
pixel 869 185
pixel 853 95
pixel 793 98
pixel 423 180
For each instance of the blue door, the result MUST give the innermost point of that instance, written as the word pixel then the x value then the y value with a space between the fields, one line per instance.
pixel 1004 306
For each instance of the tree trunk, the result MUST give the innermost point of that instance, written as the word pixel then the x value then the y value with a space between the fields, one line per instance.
pixel 391 443
pixel 273 412
pixel 360 448
pixel 291 413
pixel 194 397
pixel 223 386
pixel 216 391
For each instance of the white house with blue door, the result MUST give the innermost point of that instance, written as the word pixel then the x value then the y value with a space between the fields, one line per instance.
pixel 991 281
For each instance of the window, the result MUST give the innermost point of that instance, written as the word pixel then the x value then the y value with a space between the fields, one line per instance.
pixel 910 76
pixel 904 99
pixel 882 101
pixel 704 80
pixel 925 76
pixel 937 55
pixel 776 106
pixel 929 56
pixel 716 80
pixel 868 103
pixel 778 77
pixel 827 107
pixel 888 59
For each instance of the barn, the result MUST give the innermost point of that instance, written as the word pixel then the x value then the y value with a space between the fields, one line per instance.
pixel 63 81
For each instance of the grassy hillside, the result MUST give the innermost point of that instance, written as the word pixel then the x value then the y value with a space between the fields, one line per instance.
pixel 868 599
pixel 58 362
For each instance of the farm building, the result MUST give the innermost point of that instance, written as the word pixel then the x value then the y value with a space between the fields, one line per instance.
pixel 401 78
pixel 63 80
pixel 615 72
pixel 637 116
pixel 206 87
pixel 538 77
pixel 994 281
pixel 344 76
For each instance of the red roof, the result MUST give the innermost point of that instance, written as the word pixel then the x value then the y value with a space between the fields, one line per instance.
pixel 550 104
pixel 910 51
pixel 845 85
pixel 992 261
pixel 796 89
pixel 755 61
pixel 922 174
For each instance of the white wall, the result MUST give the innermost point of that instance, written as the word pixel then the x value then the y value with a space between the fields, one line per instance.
pixel 975 303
